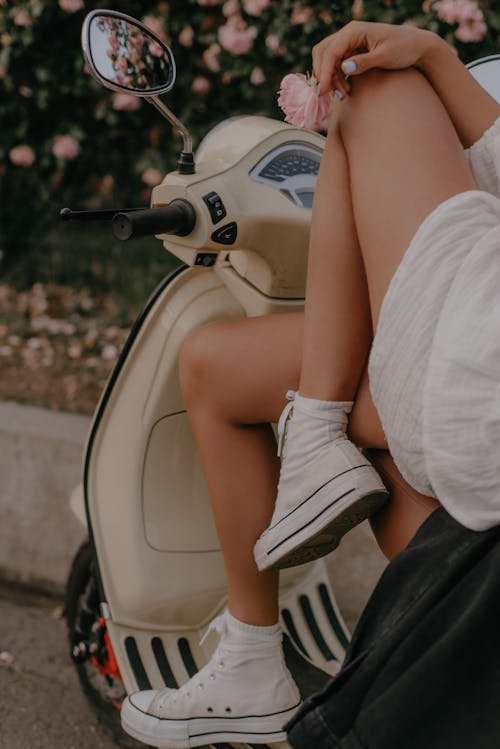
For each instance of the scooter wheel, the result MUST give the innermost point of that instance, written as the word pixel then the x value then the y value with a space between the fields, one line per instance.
pixel 105 692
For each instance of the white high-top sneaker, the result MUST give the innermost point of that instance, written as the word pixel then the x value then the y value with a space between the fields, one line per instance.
pixel 326 487
pixel 245 693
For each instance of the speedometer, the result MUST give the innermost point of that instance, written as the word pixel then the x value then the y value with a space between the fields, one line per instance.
pixel 292 169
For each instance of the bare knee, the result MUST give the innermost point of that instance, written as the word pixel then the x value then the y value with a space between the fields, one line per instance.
pixel 198 363
pixel 378 94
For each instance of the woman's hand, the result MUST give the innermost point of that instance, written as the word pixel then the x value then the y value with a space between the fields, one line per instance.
pixel 361 45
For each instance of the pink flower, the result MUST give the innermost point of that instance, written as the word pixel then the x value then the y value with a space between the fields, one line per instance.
pixel 257 77
pixel 155 49
pixel 155 24
pixel 23 18
pixel 211 58
pixel 201 85
pixel 126 102
pixel 70 6
pixel 300 16
pixel 357 9
pixel 458 11
pixel 65 147
pixel 22 155
pixel 236 36
pixel 151 176
pixel 230 8
pixel 471 31
pixel 301 103
pixel 186 36
pixel 255 7
pixel 273 42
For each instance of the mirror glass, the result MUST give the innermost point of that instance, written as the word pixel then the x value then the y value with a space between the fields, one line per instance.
pixel 123 54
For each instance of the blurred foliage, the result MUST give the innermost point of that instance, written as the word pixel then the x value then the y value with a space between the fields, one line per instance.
pixel 45 92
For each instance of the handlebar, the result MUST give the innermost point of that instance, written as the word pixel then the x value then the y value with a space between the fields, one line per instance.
pixel 177 218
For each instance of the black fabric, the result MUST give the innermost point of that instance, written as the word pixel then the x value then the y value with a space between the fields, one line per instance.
pixel 423 667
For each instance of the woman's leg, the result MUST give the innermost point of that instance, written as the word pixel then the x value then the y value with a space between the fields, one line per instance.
pixel 234 375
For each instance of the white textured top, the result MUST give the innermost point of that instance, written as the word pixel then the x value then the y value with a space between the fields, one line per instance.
pixel 435 362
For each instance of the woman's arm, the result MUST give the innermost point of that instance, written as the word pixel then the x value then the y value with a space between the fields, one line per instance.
pixel 360 46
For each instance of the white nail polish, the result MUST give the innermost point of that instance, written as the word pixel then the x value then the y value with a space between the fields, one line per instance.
pixel 339 94
pixel 349 66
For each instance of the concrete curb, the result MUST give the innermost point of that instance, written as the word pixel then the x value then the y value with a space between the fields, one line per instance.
pixel 40 464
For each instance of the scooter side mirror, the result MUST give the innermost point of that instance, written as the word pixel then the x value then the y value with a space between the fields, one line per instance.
pixel 124 55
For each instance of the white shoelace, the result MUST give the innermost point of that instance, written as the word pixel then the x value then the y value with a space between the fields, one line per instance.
pixel 285 415
pixel 219 625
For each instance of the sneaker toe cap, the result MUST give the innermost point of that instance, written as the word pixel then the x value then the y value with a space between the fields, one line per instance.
pixel 142 700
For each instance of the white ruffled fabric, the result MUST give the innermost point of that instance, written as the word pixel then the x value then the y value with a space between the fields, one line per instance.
pixel 435 363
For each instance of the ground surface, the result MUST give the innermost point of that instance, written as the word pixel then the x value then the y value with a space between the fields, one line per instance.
pixel 41 706
pixel 57 346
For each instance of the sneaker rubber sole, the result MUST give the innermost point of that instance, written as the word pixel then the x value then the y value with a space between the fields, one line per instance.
pixel 315 527
pixel 199 731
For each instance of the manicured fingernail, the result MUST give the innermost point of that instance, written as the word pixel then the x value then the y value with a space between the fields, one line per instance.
pixel 339 94
pixel 349 66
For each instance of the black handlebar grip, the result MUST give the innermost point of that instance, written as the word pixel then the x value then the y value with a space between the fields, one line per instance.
pixel 177 218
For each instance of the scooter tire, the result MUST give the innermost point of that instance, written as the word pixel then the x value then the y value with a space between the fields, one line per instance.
pixel 80 580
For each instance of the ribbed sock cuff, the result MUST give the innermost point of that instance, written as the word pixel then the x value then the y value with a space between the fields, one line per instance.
pixel 335 411
pixel 255 631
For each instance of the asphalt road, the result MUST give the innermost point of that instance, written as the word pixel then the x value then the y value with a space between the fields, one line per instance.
pixel 41 703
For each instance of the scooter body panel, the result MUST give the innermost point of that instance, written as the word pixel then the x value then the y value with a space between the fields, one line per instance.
pixel 159 559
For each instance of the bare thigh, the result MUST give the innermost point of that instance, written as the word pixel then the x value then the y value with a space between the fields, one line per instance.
pixel 247 366
pixel 405 159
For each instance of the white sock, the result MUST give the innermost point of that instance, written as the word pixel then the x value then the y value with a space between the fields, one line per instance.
pixel 314 425
pixel 255 632
pixel 335 412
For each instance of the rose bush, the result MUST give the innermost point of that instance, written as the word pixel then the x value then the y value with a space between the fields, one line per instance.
pixel 66 141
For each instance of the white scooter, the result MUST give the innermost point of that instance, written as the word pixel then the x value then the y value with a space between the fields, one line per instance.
pixel 143 590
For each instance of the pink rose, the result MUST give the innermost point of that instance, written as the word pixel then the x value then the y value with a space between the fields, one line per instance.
pixel 65 147
pixel 126 102
pixel 300 16
pixel 231 8
pixel 357 10
pixel 186 36
pixel 257 77
pixel 201 85
pixel 70 6
pixel 471 31
pixel 301 103
pixel 211 58
pixel 151 176
pixel 23 18
pixel 256 7
pixel 459 11
pixel 22 155
pixel 273 42
pixel 155 24
pixel 155 49
pixel 236 36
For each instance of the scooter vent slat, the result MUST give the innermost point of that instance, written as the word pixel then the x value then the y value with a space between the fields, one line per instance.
pixel 332 616
pixel 292 630
pixel 306 607
pixel 163 664
pixel 187 656
pixel 136 663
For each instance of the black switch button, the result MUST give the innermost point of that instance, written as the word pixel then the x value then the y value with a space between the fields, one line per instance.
pixel 215 206
pixel 226 234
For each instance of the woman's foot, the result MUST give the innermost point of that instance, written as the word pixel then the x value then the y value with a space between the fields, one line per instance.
pixel 245 693
pixel 326 486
